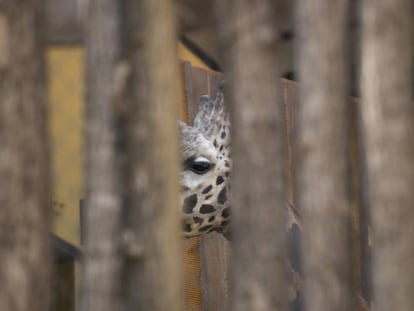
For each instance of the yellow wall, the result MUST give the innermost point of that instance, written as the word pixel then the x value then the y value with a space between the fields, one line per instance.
pixel 186 54
pixel 65 94
pixel 66 91
pixel 66 117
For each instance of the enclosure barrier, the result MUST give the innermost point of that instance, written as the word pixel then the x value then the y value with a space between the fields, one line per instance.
pixel 345 167
pixel 25 249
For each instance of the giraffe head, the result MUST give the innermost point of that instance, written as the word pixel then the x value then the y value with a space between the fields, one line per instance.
pixel 205 151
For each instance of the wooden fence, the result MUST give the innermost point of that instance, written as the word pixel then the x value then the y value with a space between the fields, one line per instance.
pixel 345 165
pixel 214 251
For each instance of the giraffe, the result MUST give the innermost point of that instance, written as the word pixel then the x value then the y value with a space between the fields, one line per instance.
pixel 206 165
pixel 205 176
pixel 206 168
pixel 205 185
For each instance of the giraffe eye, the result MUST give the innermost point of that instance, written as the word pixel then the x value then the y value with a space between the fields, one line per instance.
pixel 200 166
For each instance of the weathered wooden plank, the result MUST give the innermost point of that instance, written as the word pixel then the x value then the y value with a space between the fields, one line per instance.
pixel 153 279
pixel 102 260
pixel 192 266
pixel 388 126
pixel 215 249
pixel 249 41
pixel 322 155
pixel 215 256
pixel 25 192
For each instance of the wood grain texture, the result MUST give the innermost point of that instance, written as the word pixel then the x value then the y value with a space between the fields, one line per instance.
pixel 191 256
pixel 388 126
pixel 25 202
pixel 216 268
pixel 249 43
pixel 214 248
pixel 153 279
pixel 102 260
pixel 322 175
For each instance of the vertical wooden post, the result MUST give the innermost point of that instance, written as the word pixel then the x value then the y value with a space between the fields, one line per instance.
pixel 249 41
pixel 102 260
pixel 388 126
pixel 153 277
pixel 25 202
pixel 322 156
